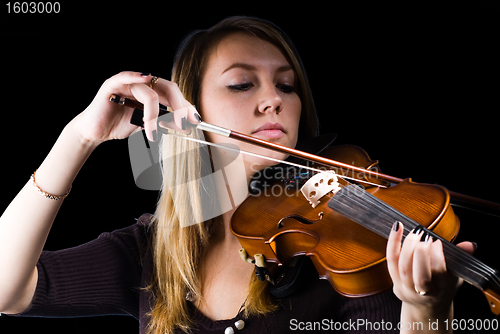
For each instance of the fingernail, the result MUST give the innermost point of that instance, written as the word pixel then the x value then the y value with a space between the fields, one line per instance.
pixel 395 227
pixel 144 74
pixel 198 117
pixel 154 135
pixel 425 237
pixel 475 246
pixel 418 229
pixel 183 123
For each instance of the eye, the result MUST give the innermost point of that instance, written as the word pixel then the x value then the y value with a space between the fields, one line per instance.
pixel 243 87
pixel 285 88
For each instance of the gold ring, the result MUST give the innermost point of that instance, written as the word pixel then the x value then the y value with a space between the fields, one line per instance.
pixel 153 81
pixel 422 293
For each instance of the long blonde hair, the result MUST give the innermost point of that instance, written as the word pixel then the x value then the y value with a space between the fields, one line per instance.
pixel 180 234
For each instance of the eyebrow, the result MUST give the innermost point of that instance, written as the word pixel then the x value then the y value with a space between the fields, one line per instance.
pixel 249 67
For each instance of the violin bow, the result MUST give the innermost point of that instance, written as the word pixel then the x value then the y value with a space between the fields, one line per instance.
pixel 460 200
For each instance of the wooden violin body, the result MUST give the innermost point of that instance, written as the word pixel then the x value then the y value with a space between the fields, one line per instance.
pixel 280 223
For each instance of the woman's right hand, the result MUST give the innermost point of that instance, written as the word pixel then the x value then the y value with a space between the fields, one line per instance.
pixel 103 120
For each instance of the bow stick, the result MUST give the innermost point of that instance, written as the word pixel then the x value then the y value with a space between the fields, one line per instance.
pixel 461 199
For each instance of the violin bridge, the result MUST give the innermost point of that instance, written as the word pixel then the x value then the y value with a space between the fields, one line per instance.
pixel 320 185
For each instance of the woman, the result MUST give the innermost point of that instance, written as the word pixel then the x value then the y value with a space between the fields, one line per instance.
pixel 175 271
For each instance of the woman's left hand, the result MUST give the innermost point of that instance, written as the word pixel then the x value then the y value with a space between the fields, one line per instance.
pixel 418 271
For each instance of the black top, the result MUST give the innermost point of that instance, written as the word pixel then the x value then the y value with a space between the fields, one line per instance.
pixel 107 276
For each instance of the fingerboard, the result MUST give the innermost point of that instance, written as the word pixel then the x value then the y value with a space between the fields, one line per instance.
pixel 367 210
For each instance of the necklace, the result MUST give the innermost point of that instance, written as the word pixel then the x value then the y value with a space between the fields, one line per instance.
pixel 239 324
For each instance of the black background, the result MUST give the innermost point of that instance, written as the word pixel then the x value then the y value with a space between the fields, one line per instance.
pixel 413 83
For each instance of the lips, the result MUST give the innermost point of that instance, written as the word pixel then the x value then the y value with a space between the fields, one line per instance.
pixel 270 131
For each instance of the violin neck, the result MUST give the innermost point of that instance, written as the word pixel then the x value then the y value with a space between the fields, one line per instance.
pixel 369 211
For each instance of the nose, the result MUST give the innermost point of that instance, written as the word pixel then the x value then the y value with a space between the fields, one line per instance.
pixel 270 100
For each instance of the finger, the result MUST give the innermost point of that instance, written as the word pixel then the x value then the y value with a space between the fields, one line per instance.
pixel 171 95
pixel 117 84
pixel 437 257
pixel 150 100
pixel 442 279
pixel 180 118
pixel 393 251
pixel 176 120
pixel 469 247
pixel 422 271
pixel 438 261
pixel 405 263
pixel 193 116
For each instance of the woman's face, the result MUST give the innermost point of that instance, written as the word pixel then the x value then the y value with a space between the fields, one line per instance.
pixel 248 87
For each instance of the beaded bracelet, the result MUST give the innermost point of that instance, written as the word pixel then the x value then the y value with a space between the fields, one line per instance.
pixel 46 194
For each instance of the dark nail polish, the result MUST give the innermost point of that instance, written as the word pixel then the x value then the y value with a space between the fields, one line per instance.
pixel 418 229
pixel 198 117
pixel 155 135
pixel 475 246
pixel 183 123
pixel 144 74
pixel 395 227
pixel 425 237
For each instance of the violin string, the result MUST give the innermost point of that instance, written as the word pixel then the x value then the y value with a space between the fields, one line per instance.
pixel 455 256
pixel 454 253
pixel 373 206
pixel 346 178
pixel 369 204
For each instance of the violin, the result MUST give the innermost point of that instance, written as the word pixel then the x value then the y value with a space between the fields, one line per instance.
pixel 341 215
pixel 345 232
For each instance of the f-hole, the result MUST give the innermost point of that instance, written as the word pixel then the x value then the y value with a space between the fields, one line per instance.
pixel 300 219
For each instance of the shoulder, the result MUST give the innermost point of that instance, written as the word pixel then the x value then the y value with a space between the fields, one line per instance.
pixel 135 238
pixel 140 231
pixel 145 220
